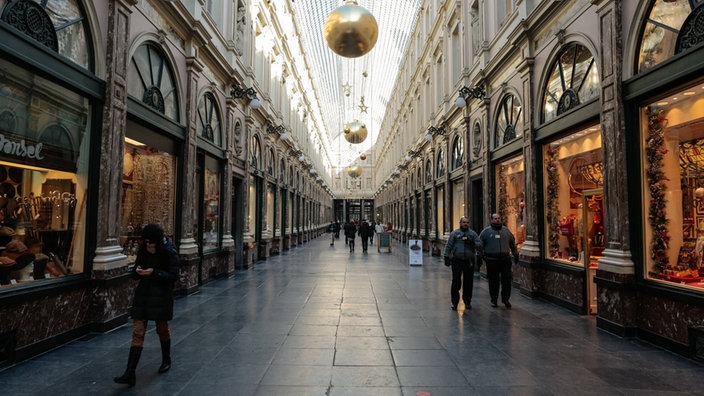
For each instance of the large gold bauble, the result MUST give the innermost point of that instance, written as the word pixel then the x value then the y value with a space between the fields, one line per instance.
pixel 354 171
pixel 350 30
pixel 355 132
pixel 363 156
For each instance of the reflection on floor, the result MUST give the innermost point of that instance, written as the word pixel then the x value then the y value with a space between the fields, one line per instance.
pixel 319 320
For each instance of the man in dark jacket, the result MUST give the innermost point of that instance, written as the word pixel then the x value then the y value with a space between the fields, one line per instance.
pixel 499 253
pixel 350 234
pixel 365 231
pixel 156 267
pixel 462 248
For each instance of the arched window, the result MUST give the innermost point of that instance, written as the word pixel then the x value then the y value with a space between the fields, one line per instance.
pixel 477 140
pixel 57 138
pixel 672 26
pixel 440 164
pixel 428 171
pixel 574 79
pixel 508 121
pixel 282 171
pixel 256 154
pixel 208 119
pixel 60 25
pixel 457 153
pixel 152 82
pixel 8 121
pixel 270 163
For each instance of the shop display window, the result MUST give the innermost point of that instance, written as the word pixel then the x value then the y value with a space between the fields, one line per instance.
pixel 574 198
pixel 44 146
pixel 672 136
pixel 510 196
pixel 440 210
pixel 270 212
pixel 211 204
pixel 148 187
pixel 458 204
pixel 252 206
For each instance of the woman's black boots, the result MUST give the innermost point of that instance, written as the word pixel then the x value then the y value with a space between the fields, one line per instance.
pixel 129 376
pixel 165 356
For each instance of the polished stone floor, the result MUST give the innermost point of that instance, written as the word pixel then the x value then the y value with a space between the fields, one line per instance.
pixel 319 320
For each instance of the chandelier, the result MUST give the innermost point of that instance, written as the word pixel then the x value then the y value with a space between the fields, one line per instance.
pixel 593 172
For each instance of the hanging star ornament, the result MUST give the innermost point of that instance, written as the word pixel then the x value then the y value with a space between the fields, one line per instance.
pixel 362 107
pixel 347 88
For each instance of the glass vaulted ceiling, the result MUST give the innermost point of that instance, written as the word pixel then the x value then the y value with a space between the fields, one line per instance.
pixel 355 88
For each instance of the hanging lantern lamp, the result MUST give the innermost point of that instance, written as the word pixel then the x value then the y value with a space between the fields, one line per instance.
pixel 351 30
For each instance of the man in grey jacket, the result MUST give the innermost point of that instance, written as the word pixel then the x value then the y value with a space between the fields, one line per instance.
pixel 461 251
pixel 499 253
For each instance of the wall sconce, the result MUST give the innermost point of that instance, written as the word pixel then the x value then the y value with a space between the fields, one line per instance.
pixel 466 93
pixel 238 92
pixel 280 129
pixel 412 154
pixel 433 131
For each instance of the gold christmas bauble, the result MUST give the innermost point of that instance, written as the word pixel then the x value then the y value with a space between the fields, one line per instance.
pixel 363 157
pixel 357 132
pixel 354 171
pixel 350 30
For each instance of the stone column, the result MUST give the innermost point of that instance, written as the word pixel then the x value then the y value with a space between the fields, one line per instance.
pixel 111 294
pixel 527 273
pixel 615 274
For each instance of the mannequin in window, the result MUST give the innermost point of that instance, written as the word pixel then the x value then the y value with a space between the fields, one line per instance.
pixel 699 248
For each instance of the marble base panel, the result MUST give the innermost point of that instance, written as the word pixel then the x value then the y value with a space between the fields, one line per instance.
pixel 286 243
pixel 617 301
pixel 562 285
pixel 214 266
pixel 188 276
pixel 275 248
pixel 50 314
pixel 264 249
pixel 249 255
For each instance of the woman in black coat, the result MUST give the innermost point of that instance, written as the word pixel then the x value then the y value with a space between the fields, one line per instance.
pixel 156 267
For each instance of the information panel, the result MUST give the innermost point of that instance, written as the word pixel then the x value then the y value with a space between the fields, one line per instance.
pixel 415 252
pixel 383 242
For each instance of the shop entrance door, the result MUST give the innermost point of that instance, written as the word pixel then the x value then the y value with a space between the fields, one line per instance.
pixel 594 240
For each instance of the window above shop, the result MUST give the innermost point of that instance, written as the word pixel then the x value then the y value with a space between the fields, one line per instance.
pixel 59 25
pixel 573 80
pixel 440 164
pixel 209 121
pixel 151 81
pixel 457 153
pixel 672 27
pixel 508 121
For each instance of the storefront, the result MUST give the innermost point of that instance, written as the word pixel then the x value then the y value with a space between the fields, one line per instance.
pixel 50 134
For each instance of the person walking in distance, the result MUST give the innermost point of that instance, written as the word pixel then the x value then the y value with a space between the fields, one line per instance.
pixel 499 253
pixel 365 232
pixel 331 230
pixel 350 234
pixel 156 267
pixel 461 251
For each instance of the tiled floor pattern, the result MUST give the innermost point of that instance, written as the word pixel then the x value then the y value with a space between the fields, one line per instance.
pixel 319 320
